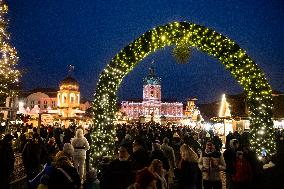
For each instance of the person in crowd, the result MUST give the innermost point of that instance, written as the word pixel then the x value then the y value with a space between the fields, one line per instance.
pixel 20 142
pixel 211 162
pixel 195 145
pixel 189 176
pixel 89 139
pixel 51 147
pixel 176 143
pixel 49 167
pixel 119 173
pixel 256 165
pixel 64 175
pixel 157 153
pixel 229 137
pixel 34 155
pixel 81 145
pixel 57 131
pixel 69 133
pixel 7 160
pixel 140 156
pixel 243 175
pixel 156 167
pixel 217 142
pixel 91 182
pixel 230 155
pixel 43 183
pixel 47 170
pixel 170 155
pixel 144 179
pixel 43 132
pixel 273 174
pixel 237 136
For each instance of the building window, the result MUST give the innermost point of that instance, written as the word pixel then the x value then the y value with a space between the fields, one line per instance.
pixel 45 104
pixel 32 104
pixel 38 102
pixel 72 99
pixel 53 104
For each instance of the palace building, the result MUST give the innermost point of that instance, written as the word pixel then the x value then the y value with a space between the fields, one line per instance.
pixel 62 105
pixel 152 107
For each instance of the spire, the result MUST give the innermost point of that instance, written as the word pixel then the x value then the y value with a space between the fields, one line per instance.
pixel 152 69
pixel 152 78
pixel 70 70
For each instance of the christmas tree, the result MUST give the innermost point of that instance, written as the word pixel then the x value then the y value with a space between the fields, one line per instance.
pixel 9 75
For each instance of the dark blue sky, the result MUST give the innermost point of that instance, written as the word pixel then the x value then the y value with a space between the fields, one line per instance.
pixel 52 34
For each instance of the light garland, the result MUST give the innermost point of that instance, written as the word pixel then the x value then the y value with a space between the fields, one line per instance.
pixel 9 75
pixel 257 90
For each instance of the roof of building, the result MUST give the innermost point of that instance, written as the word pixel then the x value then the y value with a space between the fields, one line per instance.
pixel 51 92
pixel 152 78
pixel 134 100
pixel 69 81
pixel 238 107
pixel 209 110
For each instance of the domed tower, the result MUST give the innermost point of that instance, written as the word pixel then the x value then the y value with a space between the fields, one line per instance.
pixel 152 86
pixel 68 97
pixel 151 94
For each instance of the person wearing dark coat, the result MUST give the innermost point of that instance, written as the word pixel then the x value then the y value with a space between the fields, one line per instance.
pixel 140 156
pixel 119 173
pixel 68 134
pixel 64 175
pixel 33 154
pixel 89 139
pixel 7 160
pixel 230 155
pixel 190 176
pixel 157 153
pixel 217 142
pixel 229 137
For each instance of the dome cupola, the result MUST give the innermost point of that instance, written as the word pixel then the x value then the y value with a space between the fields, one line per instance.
pixel 151 78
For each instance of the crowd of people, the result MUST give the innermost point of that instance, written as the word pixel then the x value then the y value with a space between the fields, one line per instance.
pixel 147 156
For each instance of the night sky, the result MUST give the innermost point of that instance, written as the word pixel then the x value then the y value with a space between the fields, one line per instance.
pixel 52 34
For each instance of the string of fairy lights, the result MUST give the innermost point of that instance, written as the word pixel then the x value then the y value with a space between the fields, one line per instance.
pixel 9 75
pixel 257 90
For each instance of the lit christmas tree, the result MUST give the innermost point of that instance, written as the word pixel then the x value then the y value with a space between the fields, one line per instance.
pixel 9 75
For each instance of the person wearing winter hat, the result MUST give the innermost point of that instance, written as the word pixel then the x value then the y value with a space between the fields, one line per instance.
pixel 119 174
pixel 64 175
pixel 67 151
pixel 124 151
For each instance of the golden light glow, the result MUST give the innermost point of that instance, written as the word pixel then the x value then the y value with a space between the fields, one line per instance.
pixel 9 75
pixel 235 59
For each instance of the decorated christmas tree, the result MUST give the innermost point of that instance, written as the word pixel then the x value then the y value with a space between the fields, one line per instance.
pixel 9 75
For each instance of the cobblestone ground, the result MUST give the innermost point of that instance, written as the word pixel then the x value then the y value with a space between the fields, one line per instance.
pixel 18 180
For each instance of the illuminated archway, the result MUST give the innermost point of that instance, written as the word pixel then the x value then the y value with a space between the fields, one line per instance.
pixel 235 59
